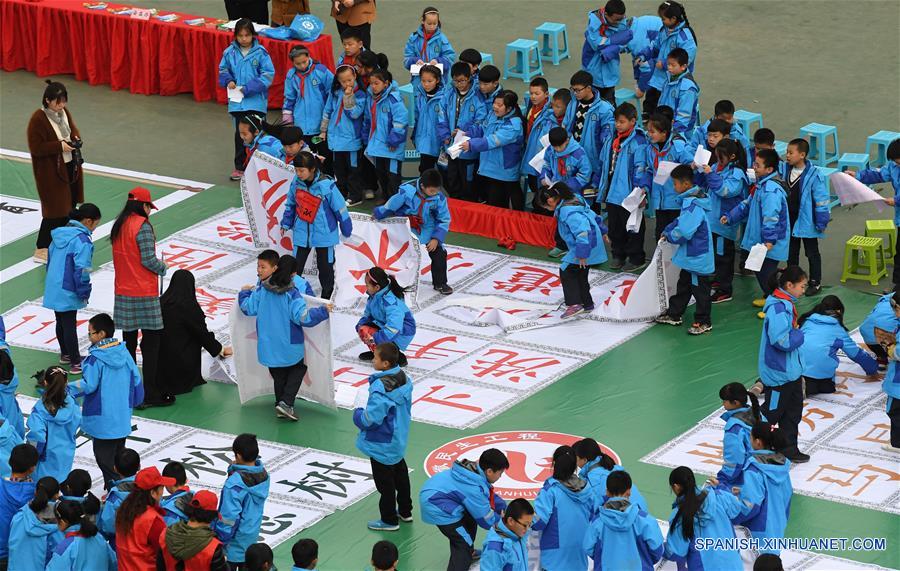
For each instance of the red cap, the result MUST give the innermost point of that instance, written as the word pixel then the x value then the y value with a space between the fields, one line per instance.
pixel 141 194
pixel 205 500
pixel 150 478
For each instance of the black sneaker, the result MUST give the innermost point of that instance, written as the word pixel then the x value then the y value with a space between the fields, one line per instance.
pixel 667 319
pixel 444 289
pixel 366 356
pixel 402 360
pixel 720 297
pixel 794 455
pixel 813 289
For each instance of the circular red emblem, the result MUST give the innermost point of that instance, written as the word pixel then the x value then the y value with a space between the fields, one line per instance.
pixel 530 456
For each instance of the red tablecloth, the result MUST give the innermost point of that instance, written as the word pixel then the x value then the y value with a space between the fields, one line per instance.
pixel 499 223
pixel 53 37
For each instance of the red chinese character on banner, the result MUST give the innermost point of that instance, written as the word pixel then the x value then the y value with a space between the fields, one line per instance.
pixel 450 268
pixel 506 363
pixel 235 231
pixel 346 375
pixel 22 321
pixel 273 200
pixel 624 290
pixel 212 305
pixel 530 279
pixel 191 259
pixel 452 401
pixel 384 259
pixel 433 351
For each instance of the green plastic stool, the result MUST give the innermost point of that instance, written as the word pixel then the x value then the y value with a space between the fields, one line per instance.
pixel 885 230
pixel 857 251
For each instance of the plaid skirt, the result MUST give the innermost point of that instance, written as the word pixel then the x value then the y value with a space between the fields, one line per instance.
pixel 133 313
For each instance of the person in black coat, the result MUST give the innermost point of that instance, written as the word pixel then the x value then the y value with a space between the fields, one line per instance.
pixel 184 335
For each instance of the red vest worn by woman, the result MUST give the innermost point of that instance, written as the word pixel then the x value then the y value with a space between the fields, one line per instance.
pixel 132 278
pixel 136 551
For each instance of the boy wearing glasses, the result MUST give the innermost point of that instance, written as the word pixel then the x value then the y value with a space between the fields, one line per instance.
pixel 506 545
pixel 461 109
pixel 589 117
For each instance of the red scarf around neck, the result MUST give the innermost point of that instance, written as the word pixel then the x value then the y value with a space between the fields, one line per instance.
pixel 532 115
pixel 427 37
pixel 781 294
pixel 302 75
pixel 621 137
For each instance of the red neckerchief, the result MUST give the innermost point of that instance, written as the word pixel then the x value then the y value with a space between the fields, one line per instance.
pixel 657 154
pixel 559 120
pixel 350 60
pixel 288 159
pixel 427 37
pixel 603 24
pixel 561 166
pixel 491 497
pixel 752 190
pixel 532 115
pixel 248 151
pixel 416 221
pixel 340 110
pixel 720 167
pixel 621 137
pixel 73 534
pixel 374 110
pixel 781 294
pixel 302 75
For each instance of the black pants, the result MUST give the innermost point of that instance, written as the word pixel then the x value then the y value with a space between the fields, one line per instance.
pixel 765 272
pixel 325 268
pixel 105 452
pixel 256 10
pixel 811 247
pixel 67 336
pixel 896 276
pixel 576 289
pixel 819 386
pixel 893 412
pixel 287 382
pixel 438 266
pixel 459 179
pixel 663 219
pixel 426 162
pixel 651 100
pixel 387 180
pixel 321 149
pixel 240 153
pixel 624 244
pixel 503 193
pixel 537 206
pixel 784 407
pixel 724 264
pixel 608 93
pixel 364 31
pixel 392 483
pixel 462 540
pixel 151 340
pixel 50 224
pixel 348 177
pixel 560 243
pixel 684 290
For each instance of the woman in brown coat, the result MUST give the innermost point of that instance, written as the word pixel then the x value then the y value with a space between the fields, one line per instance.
pixel 57 173
pixel 356 14
pixel 283 11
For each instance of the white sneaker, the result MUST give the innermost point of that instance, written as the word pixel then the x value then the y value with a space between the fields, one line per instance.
pixel 286 411
pixel 889 448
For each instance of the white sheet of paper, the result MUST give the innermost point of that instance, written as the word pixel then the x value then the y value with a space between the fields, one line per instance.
pixel 851 191
pixel 634 221
pixel 415 68
pixel 362 397
pixel 701 156
pixel 664 171
pixel 756 257
pixel 751 174
pixel 633 200
pixel 537 162
pixel 455 149
pixel 545 140
pixel 235 94
pixel 546 182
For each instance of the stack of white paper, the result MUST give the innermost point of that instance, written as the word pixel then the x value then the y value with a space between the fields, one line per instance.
pixel 632 203
pixel 701 156
pixel 455 148
pixel 415 68
pixel 756 257
pixel 235 95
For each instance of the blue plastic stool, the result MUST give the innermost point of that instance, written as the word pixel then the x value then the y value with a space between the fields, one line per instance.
pixel 748 120
pixel 853 161
pixel 406 91
pixel 780 146
pixel 486 58
pixel 624 94
pixel 818 135
pixel 523 60
pixel 834 200
pixel 880 142
pixel 547 36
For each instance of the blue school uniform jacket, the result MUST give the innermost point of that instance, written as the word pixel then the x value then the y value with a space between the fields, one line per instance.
pixel 690 231
pixel 766 495
pixel 623 536
pixel 736 446
pixel 68 283
pixel 241 508
pixel 726 189
pixel 581 231
pixel 281 314
pixel 13 495
pixel 9 406
pixel 429 215
pixel 666 41
pixel 428 113
pixel 332 212
pixel 779 346
pixel 384 422
pixel 487 101
pixel 54 438
pixel 570 166
pixel 77 553
pixel 438 49
pixel 106 519
pixel 265 144
pixel 599 128
pixel 814 213
pixel 460 112
pixel 345 123
pixel 463 487
pixel 112 387
pixel 596 474
pixel 385 123
pixel 32 538
pixel 823 337
pixel 499 141
pixel 712 521
pixel 174 506
pixel 9 439
pixel 562 512
pixel 682 94
pixel 629 171
pixel 393 318
pixel 254 72
pixel 675 150
pixel 888 173
pixel 645 29
pixel 891 383
pixel 305 94
pixel 766 212
pixel 882 316
pixel 543 122
pixel 698 137
pixel 602 45
pixel 503 550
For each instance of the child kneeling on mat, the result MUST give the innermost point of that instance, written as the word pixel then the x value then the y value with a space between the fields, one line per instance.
pixel 386 317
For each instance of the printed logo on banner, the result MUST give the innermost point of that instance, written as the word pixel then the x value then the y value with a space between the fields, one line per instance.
pixel 18 217
pixel 34 326
pixel 446 403
pixel 530 455
pixel 323 478
pixel 510 367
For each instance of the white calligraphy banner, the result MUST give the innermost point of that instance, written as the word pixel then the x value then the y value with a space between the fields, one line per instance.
pixel 644 297
pixel 18 217
pixel 264 189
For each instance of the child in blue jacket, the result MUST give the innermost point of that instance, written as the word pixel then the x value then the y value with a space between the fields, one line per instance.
pixel 383 432
pixel 176 504
pixel 281 313
pixel 127 465
pixel 622 535
pixel 506 545
pixel 565 161
pixel 724 111
pixel 663 145
pixel 607 34
pixel 690 231
pixel 77 488
pixel 82 548
pixel 563 511
pixel 342 121
pixel 741 413
pixel 881 317
pixel 33 533
pixel 824 334
pixel 578 226
pixel 9 384
pixel 589 118
pixel 313 210
pixel 67 286
pixel 386 317
pixel 9 439
pixel 595 466
pixel 538 120
pixel 306 90
pixel 644 29
pixel 808 209
pixel 428 45
pixel 891 384
pixel 676 32
pixel 243 498
pixel 699 514
pixel 15 491
pixel 461 108
pixel 681 93
pixel 384 129
pixel 461 499
pixel 488 80
pixel 429 219
pixel 428 94
pixel 890 172
pixel 254 135
pixel 52 426
pixel 246 66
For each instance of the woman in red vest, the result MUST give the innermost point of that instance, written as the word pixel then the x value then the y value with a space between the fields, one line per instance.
pixel 137 289
pixel 192 544
pixel 139 522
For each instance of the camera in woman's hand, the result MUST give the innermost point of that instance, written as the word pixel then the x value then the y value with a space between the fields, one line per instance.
pixel 76 144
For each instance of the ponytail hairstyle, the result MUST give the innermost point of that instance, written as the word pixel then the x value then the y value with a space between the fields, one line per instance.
pixel 137 502
pixel 131 207
pixel 662 123
pixel 47 489
pixel 244 24
pixel 285 133
pixel 380 69
pixel 559 191
pixel 336 82
pixel 371 60
pixel 382 279
pixel 78 485
pixel 510 101
pixel 675 10
pixel 831 305
pixel 689 503
pixel 564 463
pixel 87 211
pixel 588 449
pixel 431 10
pixel 72 513
pixel 282 276
pixel 728 147
pixel 55 91
pixel 771 436
pixel 736 392
pixel 307 160
pixel 55 381
pixel 255 123
pixel 790 274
